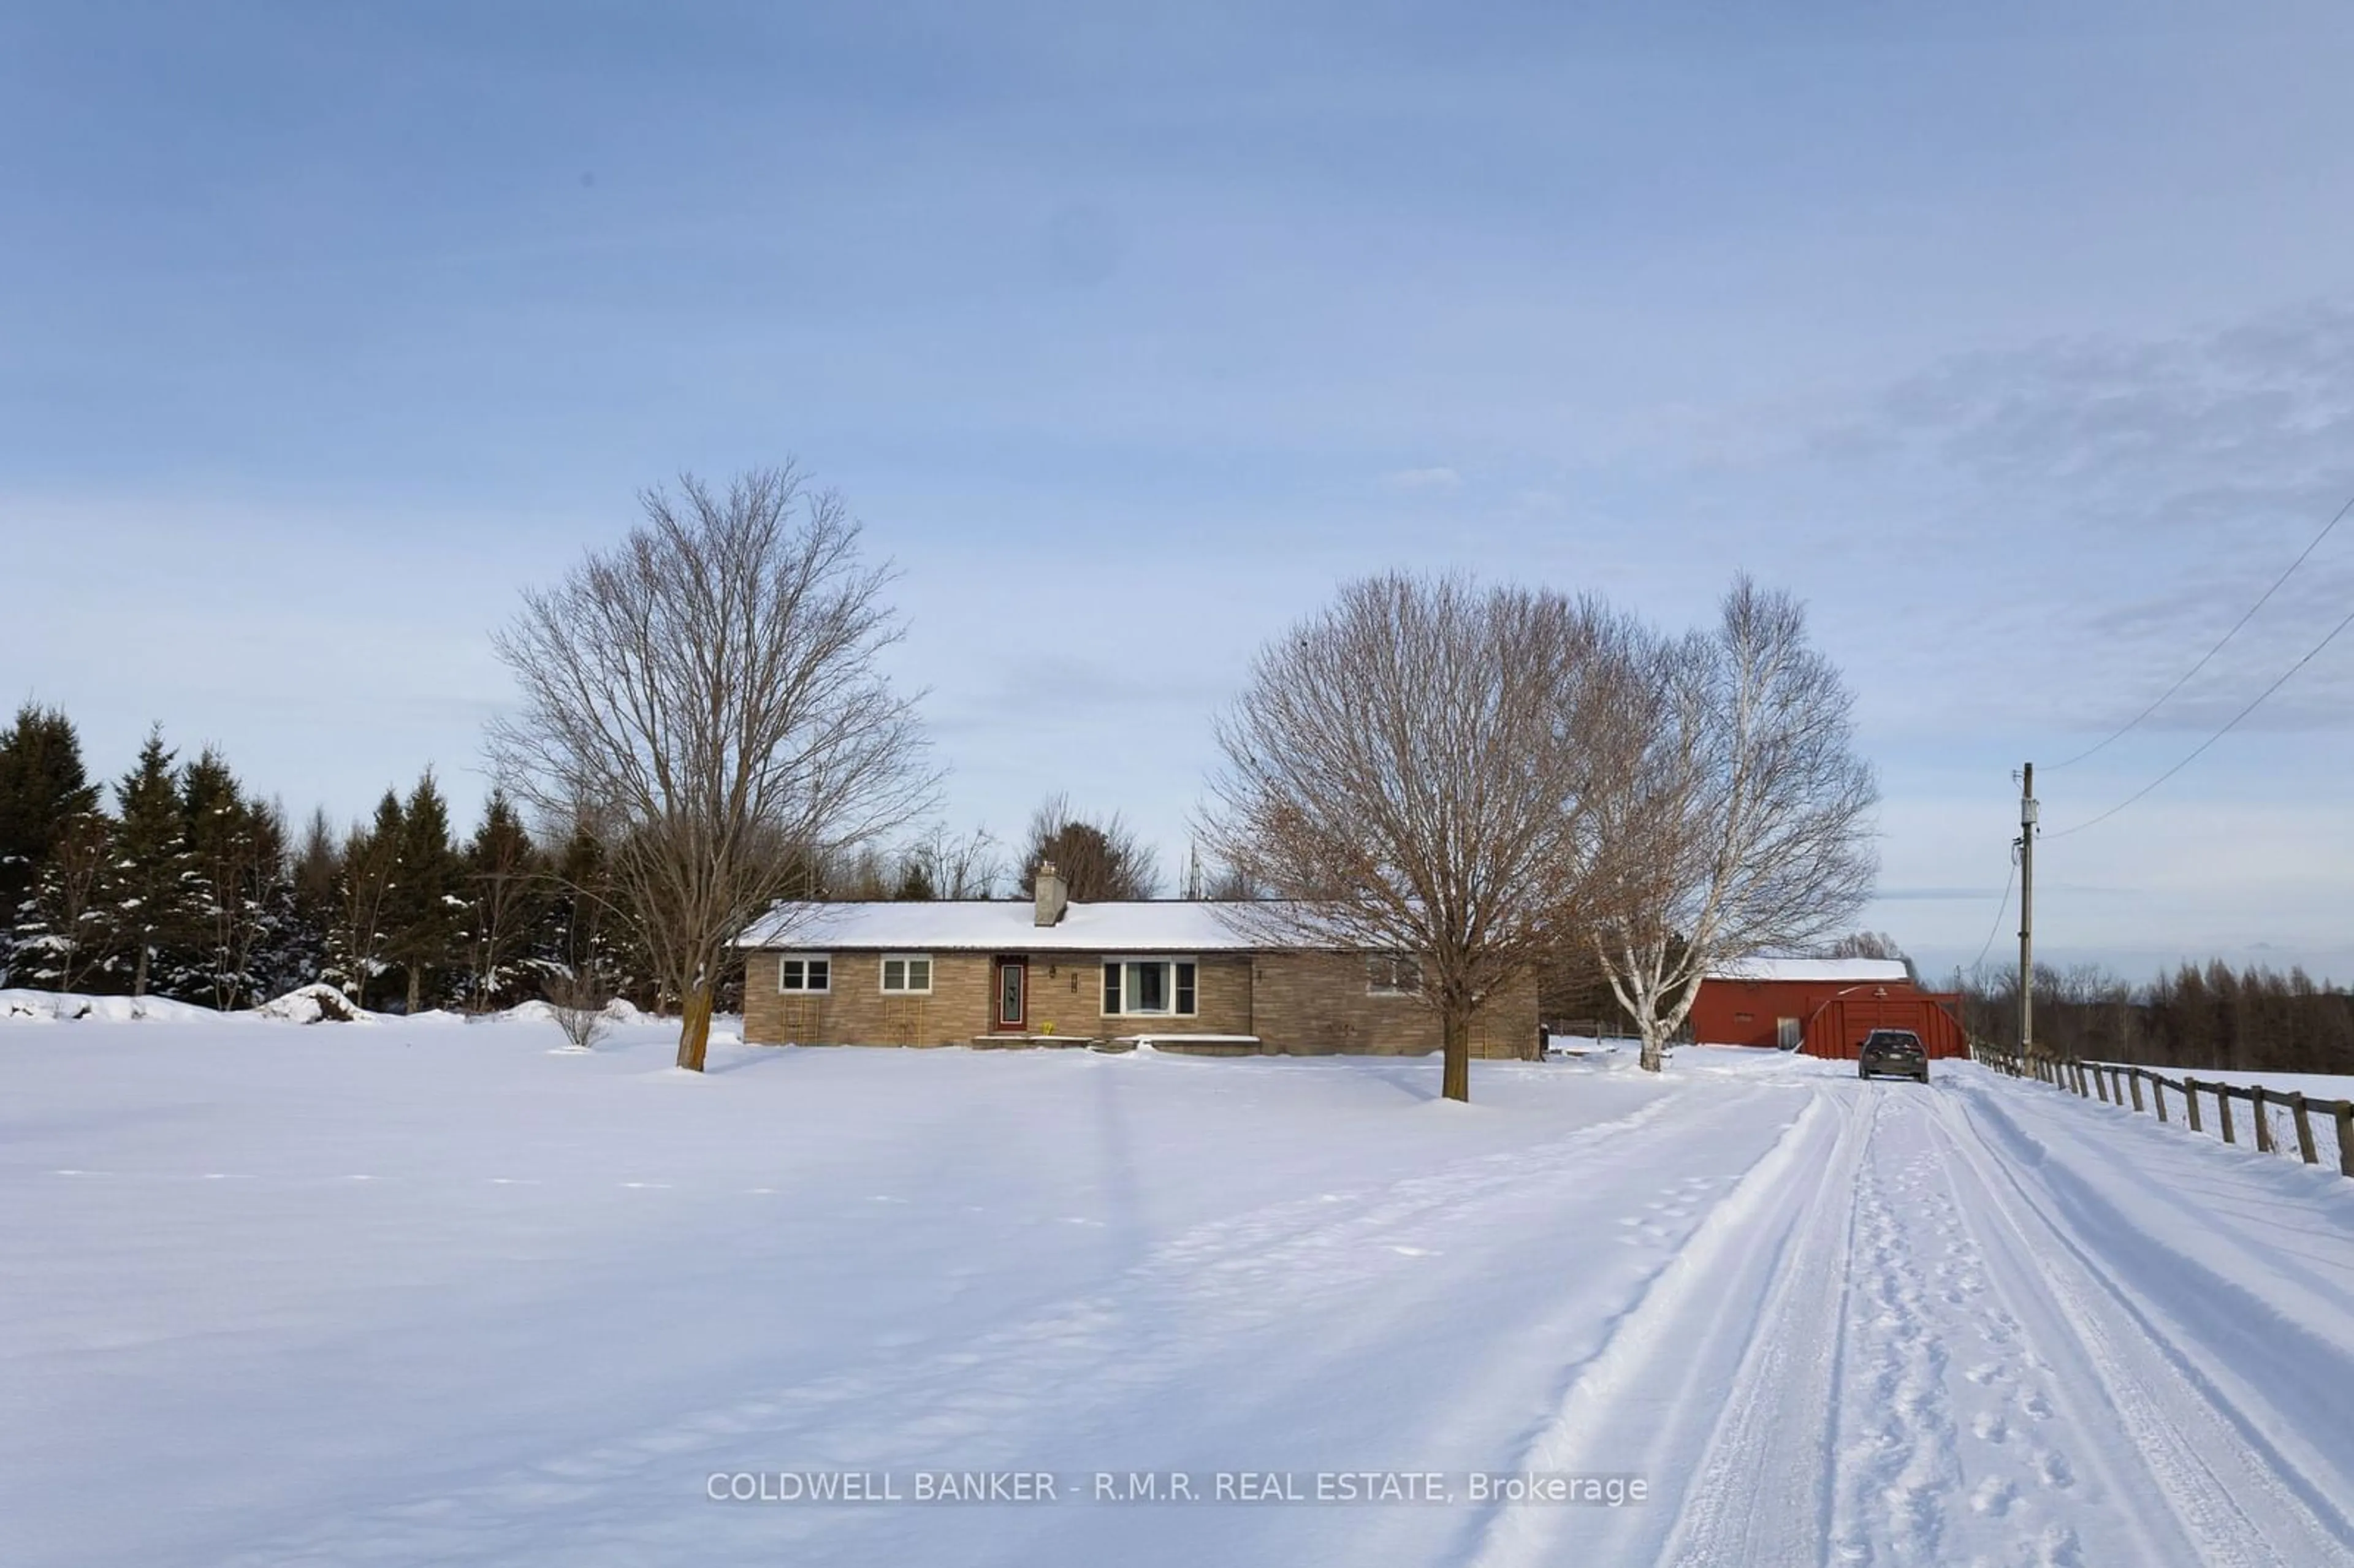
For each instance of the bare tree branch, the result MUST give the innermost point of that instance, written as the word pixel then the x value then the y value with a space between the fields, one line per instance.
pixel 712 689
pixel 1743 825
pixel 957 865
pixel 1408 773
pixel 1097 860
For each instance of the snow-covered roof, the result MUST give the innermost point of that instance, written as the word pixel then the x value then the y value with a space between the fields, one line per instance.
pixel 1832 972
pixel 1170 926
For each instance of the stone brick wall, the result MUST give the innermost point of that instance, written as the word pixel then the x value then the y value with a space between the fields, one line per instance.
pixel 1298 1003
pixel 1318 1003
pixel 856 1013
pixel 1065 991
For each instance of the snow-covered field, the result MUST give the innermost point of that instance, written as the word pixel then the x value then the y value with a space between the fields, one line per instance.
pixel 430 1293
pixel 2322 1086
pixel 2319 1086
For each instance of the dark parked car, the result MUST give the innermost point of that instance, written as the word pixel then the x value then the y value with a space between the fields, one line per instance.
pixel 1893 1051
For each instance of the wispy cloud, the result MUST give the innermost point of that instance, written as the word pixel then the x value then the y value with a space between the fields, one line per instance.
pixel 1436 478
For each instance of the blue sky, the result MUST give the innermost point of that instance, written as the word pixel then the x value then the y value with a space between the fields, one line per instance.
pixel 2021 345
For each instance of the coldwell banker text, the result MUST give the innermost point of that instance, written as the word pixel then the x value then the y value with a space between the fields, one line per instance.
pixel 865 1487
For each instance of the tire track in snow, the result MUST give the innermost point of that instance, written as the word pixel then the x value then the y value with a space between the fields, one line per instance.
pixel 2202 1468
pixel 1752 1500
pixel 1719 1316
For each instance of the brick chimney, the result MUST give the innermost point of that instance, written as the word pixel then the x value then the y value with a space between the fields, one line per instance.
pixel 1053 898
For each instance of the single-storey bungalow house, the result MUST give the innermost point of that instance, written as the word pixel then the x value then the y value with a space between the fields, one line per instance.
pixel 1825 1005
pixel 1182 975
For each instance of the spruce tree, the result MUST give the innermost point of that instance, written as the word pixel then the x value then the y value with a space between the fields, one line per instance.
pixel 425 905
pixel 915 882
pixel 584 930
pixel 242 895
pixel 63 930
pixel 297 954
pixel 505 890
pixel 42 787
pixel 148 889
pixel 364 892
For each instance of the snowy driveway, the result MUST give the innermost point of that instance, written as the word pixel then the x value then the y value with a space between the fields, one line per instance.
pixel 420 1295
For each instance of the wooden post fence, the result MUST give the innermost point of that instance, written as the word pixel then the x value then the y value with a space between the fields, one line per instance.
pixel 2114 1084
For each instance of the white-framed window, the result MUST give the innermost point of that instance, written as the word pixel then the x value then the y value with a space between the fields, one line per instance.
pixel 802 974
pixel 1161 988
pixel 1393 974
pixel 907 974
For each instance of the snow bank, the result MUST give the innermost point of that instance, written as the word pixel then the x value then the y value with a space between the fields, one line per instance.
pixel 49 1006
pixel 313 1004
pixel 616 1012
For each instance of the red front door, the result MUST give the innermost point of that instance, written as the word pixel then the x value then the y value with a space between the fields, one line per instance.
pixel 1013 994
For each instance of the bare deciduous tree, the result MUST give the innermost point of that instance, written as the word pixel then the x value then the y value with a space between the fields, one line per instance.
pixel 1406 773
pixel 577 998
pixel 1097 860
pixel 1871 945
pixel 1230 885
pixel 862 876
pixel 1743 825
pixel 1864 945
pixel 712 689
pixel 957 865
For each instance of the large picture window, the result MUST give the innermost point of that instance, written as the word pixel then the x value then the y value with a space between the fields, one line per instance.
pixel 804 973
pixel 1393 974
pixel 907 974
pixel 1149 988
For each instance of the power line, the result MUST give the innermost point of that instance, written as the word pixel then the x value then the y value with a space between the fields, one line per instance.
pixel 2310 654
pixel 2210 654
pixel 2001 910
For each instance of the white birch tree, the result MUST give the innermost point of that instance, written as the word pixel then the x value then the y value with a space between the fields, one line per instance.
pixel 1743 825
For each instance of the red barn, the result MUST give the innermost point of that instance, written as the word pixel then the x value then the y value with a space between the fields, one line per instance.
pixel 1826 1005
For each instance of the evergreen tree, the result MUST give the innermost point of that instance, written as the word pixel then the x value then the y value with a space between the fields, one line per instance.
pixel 584 931
pixel 148 891
pixel 505 889
pixel 363 895
pixel 423 912
pixel 242 895
pixel 297 953
pixel 915 882
pixel 42 787
pixel 63 930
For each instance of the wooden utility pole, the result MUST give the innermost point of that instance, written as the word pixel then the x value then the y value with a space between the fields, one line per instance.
pixel 2026 908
